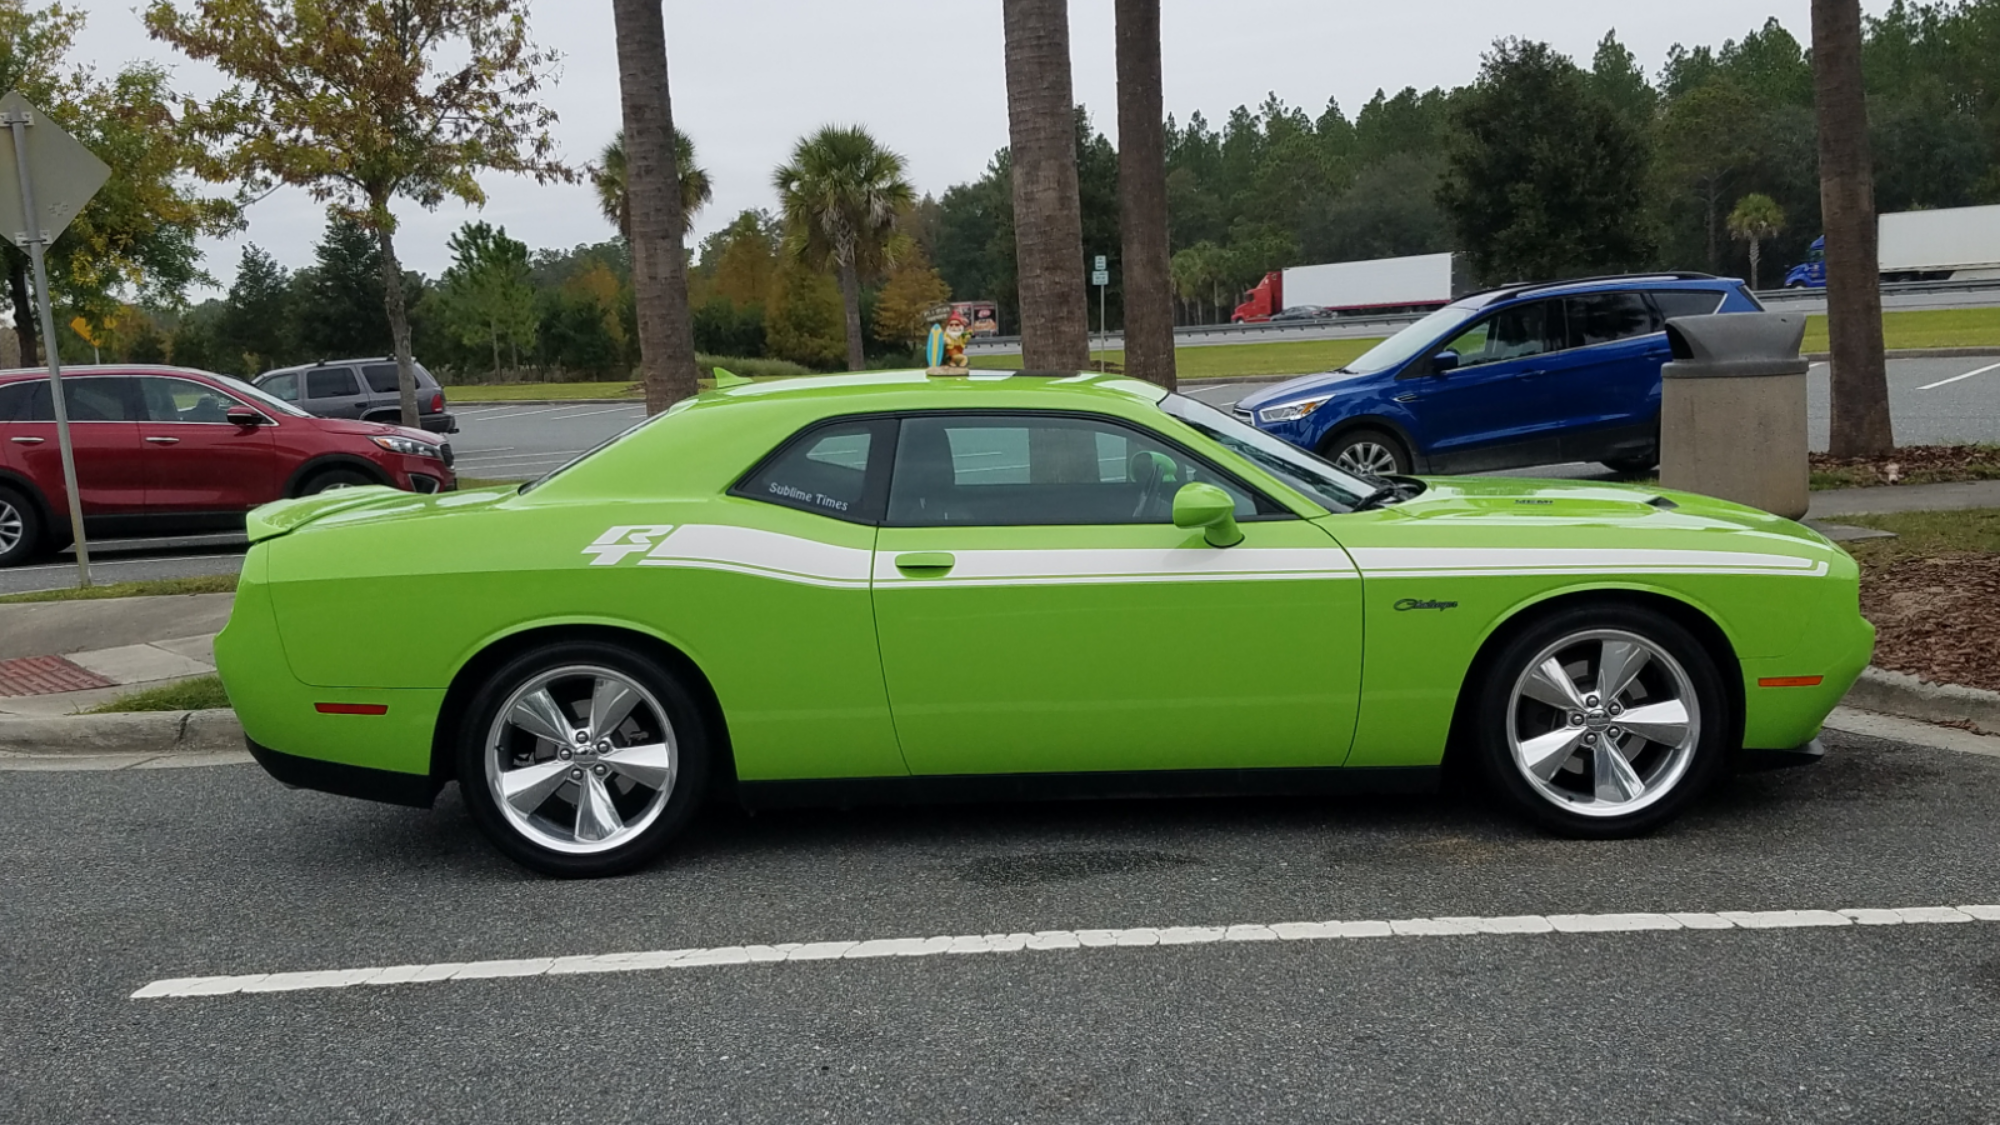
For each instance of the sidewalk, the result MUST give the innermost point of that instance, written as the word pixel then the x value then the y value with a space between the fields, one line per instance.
pixel 1888 499
pixel 57 658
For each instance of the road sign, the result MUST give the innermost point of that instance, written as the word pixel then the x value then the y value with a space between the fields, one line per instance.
pixel 55 177
pixel 65 173
pixel 1101 277
pixel 1099 267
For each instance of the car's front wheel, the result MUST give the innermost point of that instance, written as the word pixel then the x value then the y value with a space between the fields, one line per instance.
pixel 582 759
pixel 329 479
pixel 20 528
pixel 1370 453
pixel 1601 721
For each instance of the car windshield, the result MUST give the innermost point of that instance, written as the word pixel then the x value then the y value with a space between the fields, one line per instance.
pixel 1318 480
pixel 1398 349
pixel 604 445
pixel 262 398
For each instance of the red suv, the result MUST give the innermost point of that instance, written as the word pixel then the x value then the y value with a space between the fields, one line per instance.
pixel 166 450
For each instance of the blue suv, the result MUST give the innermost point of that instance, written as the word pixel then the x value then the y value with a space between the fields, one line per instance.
pixel 1524 375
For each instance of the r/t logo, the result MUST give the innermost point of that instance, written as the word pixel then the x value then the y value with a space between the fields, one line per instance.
pixel 619 543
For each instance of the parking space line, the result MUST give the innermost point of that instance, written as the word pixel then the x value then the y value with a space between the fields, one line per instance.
pixel 1956 378
pixel 1053 940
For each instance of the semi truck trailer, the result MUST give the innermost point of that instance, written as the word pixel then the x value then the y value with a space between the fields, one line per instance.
pixel 1426 281
pixel 1954 244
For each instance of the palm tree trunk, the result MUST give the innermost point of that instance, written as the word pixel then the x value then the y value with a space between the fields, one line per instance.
pixel 1142 196
pixel 1860 407
pixel 1048 229
pixel 399 315
pixel 1756 256
pixel 653 198
pixel 850 299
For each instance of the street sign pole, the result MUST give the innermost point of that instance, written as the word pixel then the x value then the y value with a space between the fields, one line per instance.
pixel 1101 277
pixel 35 239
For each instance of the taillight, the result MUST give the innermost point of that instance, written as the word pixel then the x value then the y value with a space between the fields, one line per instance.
pixel 437 402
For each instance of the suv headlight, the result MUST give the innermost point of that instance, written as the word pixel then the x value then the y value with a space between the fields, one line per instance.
pixel 1292 411
pixel 409 447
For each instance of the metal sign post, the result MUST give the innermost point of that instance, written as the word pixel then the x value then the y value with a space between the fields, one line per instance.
pixel 65 175
pixel 1101 277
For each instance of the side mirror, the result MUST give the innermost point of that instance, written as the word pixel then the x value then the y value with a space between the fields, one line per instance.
pixel 243 416
pixel 1446 360
pixel 1210 509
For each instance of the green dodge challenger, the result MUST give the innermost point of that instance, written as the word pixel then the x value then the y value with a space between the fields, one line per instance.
pixel 897 586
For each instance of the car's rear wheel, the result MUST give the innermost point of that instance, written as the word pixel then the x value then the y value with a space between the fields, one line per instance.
pixel 20 528
pixel 1633 466
pixel 330 479
pixel 1368 452
pixel 582 759
pixel 1601 721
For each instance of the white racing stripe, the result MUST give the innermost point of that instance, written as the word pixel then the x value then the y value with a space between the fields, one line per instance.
pixel 1454 562
pixel 744 550
pixel 1173 564
pixel 1051 940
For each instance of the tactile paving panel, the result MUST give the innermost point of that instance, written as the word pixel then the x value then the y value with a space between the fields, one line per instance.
pixel 46 675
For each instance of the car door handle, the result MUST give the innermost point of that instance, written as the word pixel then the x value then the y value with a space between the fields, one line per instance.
pixel 926 562
pixel 27 440
pixel 164 440
pixel 1533 374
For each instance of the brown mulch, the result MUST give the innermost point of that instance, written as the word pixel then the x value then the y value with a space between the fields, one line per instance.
pixel 1937 617
pixel 1914 464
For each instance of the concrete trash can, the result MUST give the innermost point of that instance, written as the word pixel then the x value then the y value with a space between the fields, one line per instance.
pixel 1733 410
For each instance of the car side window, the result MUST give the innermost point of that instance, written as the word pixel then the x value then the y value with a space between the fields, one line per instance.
pixel 1604 318
pixel 1513 333
pixel 17 401
pixel 284 387
pixel 183 400
pixel 1026 470
pixel 827 470
pixel 1686 302
pixel 331 382
pixel 96 398
pixel 382 378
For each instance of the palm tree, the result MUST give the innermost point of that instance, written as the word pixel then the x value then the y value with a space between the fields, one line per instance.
pixel 1142 196
pixel 841 195
pixel 609 176
pixel 1756 220
pixel 1048 215
pixel 654 216
pixel 1860 382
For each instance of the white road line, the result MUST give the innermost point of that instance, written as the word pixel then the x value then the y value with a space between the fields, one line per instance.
pixel 1956 378
pixel 1046 940
pixel 525 413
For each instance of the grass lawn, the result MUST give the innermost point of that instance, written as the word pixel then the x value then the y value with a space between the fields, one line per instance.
pixel 1926 328
pixel 203 693
pixel 203 584
pixel 1924 534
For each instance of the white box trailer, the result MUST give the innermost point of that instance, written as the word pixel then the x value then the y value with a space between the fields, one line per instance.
pixel 1954 244
pixel 1381 283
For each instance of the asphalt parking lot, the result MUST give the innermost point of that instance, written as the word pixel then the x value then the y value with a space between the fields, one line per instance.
pixel 117 880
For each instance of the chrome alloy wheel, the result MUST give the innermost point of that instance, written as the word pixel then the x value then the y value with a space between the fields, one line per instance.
pixel 581 759
pixel 1367 458
pixel 1603 723
pixel 12 527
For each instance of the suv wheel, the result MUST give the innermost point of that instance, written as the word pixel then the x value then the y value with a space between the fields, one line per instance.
pixel 20 528
pixel 331 479
pixel 1370 453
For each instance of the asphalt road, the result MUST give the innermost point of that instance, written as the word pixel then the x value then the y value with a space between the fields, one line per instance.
pixel 114 880
pixel 1931 400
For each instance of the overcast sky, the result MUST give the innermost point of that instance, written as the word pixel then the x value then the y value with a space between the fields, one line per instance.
pixel 750 77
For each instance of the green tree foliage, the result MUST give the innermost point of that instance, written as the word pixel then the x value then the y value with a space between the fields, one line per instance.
pixel 608 175
pixel 485 296
pixel 841 193
pixel 257 329
pixel 363 102
pixel 1545 180
pixel 803 323
pixel 340 297
pixel 913 287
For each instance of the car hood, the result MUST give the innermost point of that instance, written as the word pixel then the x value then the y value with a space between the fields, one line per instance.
pixel 1301 387
pixel 369 429
pixel 1512 502
pixel 366 504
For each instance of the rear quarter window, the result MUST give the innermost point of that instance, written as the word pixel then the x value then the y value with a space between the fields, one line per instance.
pixel 332 382
pixel 830 470
pixel 17 401
pixel 1687 302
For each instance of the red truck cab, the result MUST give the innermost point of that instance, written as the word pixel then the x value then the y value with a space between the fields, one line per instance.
pixel 1262 301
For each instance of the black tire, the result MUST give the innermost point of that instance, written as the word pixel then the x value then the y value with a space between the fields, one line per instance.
pixel 328 479
pixel 1633 466
pixel 1365 451
pixel 21 532
pixel 1553 804
pixel 688 736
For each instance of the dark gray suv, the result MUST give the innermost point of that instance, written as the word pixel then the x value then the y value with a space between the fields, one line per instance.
pixel 358 388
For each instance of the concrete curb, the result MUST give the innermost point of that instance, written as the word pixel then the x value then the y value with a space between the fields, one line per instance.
pixel 1899 693
pixel 1919 353
pixel 140 732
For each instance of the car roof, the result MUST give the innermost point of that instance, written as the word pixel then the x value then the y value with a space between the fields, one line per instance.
pixel 12 374
pixel 298 367
pixel 918 390
pixel 1673 279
